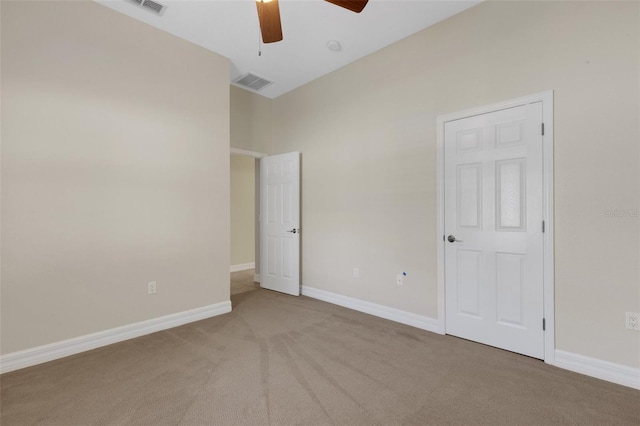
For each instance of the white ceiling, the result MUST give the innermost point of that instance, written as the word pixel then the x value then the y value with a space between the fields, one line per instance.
pixel 230 28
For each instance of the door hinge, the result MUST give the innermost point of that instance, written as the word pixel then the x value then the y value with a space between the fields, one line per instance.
pixel 543 227
pixel 443 238
pixel 542 128
pixel 544 324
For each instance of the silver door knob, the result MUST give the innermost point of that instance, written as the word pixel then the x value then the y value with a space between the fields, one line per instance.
pixel 452 239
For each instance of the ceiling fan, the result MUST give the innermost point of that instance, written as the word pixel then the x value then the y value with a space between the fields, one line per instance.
pixel 269 16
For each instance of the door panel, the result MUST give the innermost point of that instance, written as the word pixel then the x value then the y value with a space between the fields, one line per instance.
pixel 493 208
pixel 469 273
pixel 469 190
pixel 280 223
pixel 510 281
pixel 511 194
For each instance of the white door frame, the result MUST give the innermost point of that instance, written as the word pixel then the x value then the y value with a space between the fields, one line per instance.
pixel 547 186
pixel 254 154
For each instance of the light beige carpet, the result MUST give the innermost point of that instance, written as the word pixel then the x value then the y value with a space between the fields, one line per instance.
pixel 282 360
pixel 243 281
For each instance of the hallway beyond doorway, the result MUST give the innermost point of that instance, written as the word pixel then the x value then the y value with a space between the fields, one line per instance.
pixel 242 281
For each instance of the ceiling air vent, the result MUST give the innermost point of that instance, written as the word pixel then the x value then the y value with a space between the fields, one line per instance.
pixel 150 6
pixel 252 82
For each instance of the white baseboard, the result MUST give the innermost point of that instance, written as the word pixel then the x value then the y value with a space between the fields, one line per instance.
pixel 408 318
pixel 28 357
pixel 605 370
pixel 243 267
pixel 256 278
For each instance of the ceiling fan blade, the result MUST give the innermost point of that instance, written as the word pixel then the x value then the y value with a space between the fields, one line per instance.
pixel 269 17
pixel 353 5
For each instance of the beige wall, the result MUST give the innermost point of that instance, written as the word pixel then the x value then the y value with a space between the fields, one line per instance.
pixel 242 209
pixel 115 172
pixel 367 134
pixel 251 120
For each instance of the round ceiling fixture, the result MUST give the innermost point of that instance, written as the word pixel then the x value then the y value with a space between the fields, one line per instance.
pixel 334 46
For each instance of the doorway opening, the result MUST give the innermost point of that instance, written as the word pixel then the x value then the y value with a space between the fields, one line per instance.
pixel 245 224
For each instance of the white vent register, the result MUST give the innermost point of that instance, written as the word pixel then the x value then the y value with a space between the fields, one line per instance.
pixel 252 82
pixel 150 6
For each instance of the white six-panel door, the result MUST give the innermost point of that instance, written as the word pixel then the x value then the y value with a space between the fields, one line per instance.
pixel 493 229
pixel 280 223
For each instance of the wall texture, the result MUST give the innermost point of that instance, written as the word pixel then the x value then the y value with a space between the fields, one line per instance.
pixel 242 209
pixel 115 172
pixel 251 120
pixel 367 134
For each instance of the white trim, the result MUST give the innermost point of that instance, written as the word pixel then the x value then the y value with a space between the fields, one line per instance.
pixel 548 263
pixel 254 154
pixel 256 278
pixel 243 267
pixel 440 224
pixel 548 237
pixel 408 318
pixel 28 357
pixel 605 370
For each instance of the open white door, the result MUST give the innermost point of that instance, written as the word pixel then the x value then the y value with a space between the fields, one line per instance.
pixel 494 229
pixel 280 223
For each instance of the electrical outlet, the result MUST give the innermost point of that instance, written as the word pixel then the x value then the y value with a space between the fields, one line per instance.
pixel 151 287
pixel 356 273
pixel 632 320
